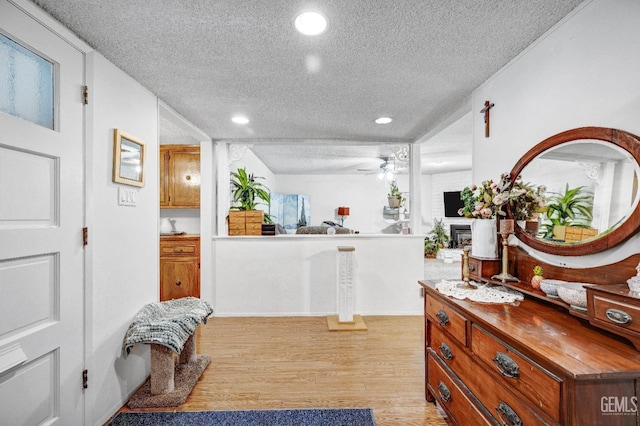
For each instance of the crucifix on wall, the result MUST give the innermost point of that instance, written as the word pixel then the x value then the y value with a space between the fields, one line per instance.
pixel 487 106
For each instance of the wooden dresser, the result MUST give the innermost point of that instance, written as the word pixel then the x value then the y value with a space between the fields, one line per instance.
pixel 179 266
pixel 530 364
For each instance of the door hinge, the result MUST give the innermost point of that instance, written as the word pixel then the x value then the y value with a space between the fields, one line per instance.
pixel 85 378
pixel 85 236
pixel 85 95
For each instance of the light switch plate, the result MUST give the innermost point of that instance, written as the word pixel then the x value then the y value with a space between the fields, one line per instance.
pixel 126 196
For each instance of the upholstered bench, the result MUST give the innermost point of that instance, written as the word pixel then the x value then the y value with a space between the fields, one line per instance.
pixel 169 327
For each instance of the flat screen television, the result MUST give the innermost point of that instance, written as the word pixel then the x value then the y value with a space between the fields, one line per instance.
pixel 452 203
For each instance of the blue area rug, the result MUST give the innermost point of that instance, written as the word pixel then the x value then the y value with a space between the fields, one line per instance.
pixel 312 417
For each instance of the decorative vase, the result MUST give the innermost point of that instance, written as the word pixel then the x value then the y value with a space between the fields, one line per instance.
pixel 167 226
pixel 484 238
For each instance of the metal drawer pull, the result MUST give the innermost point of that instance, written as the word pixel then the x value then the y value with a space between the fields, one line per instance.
pixel 178 282
pixel 506 365
pixel 443 318
pixel 618 316
pixel 445 395
pixel 472 268
pixel 508 417
pixel 445 351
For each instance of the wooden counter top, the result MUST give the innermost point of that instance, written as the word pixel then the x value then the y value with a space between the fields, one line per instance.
pixel 546 333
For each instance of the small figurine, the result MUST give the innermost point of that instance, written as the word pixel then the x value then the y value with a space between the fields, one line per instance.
pixel 537 277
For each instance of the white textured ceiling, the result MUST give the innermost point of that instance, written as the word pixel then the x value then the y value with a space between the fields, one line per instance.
pixel 415 60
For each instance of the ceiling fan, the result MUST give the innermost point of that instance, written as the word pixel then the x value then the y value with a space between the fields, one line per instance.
pixel 388 168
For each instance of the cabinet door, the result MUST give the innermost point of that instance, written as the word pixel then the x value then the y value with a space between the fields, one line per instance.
pixel 179 277
pixel 164 177
pixel 185 176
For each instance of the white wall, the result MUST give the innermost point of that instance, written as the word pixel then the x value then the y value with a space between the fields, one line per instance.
pixel 297 274
pixel 186 220
pixel 444 182
pixel 122 269
pixel 584 72
pixel 365 195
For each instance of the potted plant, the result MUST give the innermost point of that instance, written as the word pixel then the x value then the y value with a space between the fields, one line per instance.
pixel 572 208
pixel 248 193
pixel 395 196
pixel 436 239
pixel 430 248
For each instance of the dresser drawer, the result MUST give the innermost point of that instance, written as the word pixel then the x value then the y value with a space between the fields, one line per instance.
pixel 254 216
pixel 480 267
pixel 254 226
pixel 451 396
pixel 179 247
pixel 616 313
pixel 518 372
pixel 445 316
pixel 449 351
pixel 236 226
pixel 500 401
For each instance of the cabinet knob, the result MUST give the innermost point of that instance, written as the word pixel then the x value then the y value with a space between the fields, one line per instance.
pixel 445 351
pixel 506 365
pixel 445 395
pixel 178 282
pixel 508 417
pixel 188 177
pixel 618 316
pixel 472 268
pixel 443 318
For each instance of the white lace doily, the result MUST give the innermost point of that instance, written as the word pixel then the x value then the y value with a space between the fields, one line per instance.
pixel 483 293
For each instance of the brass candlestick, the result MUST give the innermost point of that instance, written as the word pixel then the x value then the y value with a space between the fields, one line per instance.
pixel 465 269
pixel 506 228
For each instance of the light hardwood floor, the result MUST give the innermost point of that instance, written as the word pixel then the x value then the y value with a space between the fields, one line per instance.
pixel 295 362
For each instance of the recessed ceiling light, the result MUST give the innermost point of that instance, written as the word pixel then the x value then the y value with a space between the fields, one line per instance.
pixel 311 23
pixel 383 120
pixel 240 119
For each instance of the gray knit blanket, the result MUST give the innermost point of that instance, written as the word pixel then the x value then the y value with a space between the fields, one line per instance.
pixel 168 323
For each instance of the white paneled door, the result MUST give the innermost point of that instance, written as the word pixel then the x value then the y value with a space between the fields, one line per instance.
pixel 41 220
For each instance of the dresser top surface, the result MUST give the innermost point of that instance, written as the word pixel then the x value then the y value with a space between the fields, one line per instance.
pixel 549 335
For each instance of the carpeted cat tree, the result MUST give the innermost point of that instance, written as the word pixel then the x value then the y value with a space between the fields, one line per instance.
pixel 169 327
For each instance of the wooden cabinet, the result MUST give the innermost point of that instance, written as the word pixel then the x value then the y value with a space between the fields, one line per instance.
pixel 245 222
pixel 617 309
pixel 179 177
pixel 480 268
pixel 179 267
pixel 525 364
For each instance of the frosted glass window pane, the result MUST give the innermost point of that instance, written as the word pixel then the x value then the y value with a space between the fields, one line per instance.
pixel 26 84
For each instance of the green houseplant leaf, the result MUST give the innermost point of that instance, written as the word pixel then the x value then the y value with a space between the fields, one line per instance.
pixel 248 192
pixel 574 207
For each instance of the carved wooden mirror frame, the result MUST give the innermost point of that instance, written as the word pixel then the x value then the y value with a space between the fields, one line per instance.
pixel 630 226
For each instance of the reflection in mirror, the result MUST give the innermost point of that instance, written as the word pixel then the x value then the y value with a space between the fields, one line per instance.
pixel 600 167
pixel 130 160
pixel 606 175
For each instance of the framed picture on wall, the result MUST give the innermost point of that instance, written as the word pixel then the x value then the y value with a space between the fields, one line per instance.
pixel 128 159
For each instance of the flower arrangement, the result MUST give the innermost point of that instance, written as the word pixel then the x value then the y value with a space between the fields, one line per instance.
pixel 526 200
pixel 484 201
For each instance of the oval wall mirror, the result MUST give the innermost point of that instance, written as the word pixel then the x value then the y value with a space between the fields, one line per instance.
pixel 591 174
